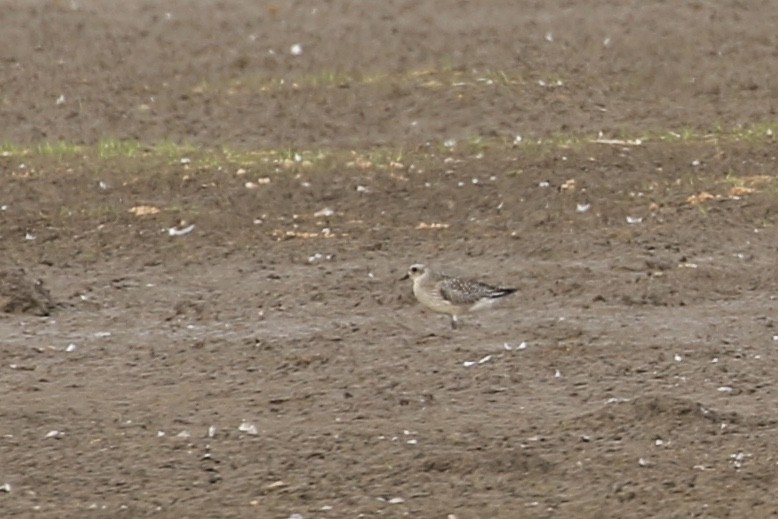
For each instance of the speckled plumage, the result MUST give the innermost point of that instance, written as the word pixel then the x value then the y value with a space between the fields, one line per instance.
pixel 451 295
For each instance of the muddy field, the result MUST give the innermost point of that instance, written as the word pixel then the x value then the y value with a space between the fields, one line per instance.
pixel 206 207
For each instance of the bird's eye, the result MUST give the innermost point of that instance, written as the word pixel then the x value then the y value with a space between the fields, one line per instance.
pixel 414 269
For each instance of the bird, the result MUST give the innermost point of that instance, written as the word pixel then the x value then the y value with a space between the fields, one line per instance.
pixel 452 295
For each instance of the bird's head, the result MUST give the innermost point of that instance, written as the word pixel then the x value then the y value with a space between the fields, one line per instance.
pixel 414 271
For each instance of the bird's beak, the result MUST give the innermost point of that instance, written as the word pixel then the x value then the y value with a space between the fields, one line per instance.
pixel 406 276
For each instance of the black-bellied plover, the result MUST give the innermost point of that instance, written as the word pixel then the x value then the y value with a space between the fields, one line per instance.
pixel 451 295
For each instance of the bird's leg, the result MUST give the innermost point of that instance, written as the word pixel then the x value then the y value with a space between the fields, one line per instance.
pixel 454 322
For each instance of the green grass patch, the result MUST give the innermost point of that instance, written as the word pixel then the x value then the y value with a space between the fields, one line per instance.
pixel 432 78
pixel 281 159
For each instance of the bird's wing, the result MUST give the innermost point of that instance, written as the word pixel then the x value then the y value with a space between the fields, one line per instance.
pixel 465 292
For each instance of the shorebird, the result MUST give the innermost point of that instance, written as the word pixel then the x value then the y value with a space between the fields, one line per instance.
pixel 451 295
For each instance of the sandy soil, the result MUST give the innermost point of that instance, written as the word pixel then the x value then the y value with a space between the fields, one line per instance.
pixel 270 363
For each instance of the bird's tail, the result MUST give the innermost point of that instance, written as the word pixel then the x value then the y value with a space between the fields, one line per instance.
pixel 502 292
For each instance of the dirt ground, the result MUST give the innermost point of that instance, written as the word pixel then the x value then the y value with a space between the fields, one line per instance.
pixel 269 363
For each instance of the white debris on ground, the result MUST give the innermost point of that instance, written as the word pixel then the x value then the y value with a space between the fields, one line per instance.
pixel 248 428
pixel 487 358
pixel 180 231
